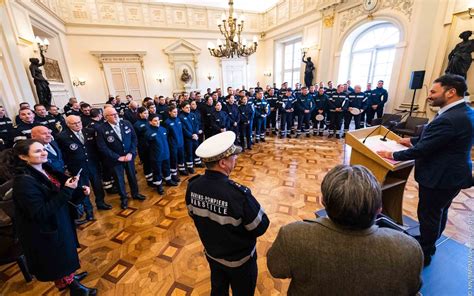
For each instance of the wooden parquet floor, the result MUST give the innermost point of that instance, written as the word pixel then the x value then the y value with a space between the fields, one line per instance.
pixel 152 248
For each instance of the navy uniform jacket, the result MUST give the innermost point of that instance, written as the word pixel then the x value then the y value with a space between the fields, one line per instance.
pixel 206 114
pixel 56 161
pixel 76 154
pixel 131 116
pixel 246 113
pixel 189 126
pixel 197 119
pixel 286 103
pixel 110 145
pixel 443 151
pixel 60 121
pixel 272 101
pixel 48 121
pixel 219 120
pixel 141 127
pixel 23 130
pixel 86 119
pixel 321 102
pixel 305 103
pixel 232 113
pixel 378 96
pixel 6 128
pixel 330 91
pixel 338 100
pixel 261 108
pixel 175 132
pixel 162 111
pixel 227 216
pixel 357 100
pixel 158 142
pixel 367 93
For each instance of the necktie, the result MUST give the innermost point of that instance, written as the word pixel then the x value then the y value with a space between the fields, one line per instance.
pixel 80 136
pixel 117 131
pixel 51 149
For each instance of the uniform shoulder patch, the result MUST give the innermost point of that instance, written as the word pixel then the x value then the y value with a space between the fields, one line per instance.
pixel 240 187
pixel 194 178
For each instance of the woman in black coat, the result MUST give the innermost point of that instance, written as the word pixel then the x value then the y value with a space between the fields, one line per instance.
pixel 44 226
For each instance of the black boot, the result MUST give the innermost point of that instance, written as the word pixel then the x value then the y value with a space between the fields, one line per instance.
pixel 191 170
pixel 160 190
pixel 77 289
pixel 175 178
pixel 183 172
pixel 171 183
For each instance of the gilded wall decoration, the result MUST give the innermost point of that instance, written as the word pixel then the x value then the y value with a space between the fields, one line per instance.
pixel 52 71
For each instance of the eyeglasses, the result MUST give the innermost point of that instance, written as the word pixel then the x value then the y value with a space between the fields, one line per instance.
pixel 114 115
pixel 76 123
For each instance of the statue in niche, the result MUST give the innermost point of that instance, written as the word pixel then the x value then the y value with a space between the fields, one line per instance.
pixel 41 84
pixel 308 71
pixel 460 58
pixel 186 77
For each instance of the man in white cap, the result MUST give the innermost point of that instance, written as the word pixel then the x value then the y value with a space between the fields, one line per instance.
pixel 227 216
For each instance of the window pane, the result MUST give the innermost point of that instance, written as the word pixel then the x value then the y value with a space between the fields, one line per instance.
pixel 288 57
pixel 287 77
pixel 360 66
pixel 296 78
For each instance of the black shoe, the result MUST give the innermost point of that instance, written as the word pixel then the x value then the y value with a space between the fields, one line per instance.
pixel 160 190
pixel 308 135
pixel 256 141
pixel 249 148
pixel 175 178
pixel 90 216
pixel 330 136
pixel 80 276
pixel 150 183
pixel 77 289
pixel 113 190
pixel 103 206
pixel 263 139
pixel 80 221
pixel 183 172
pixel 320 134
pixel 344 135
pixel 200 165
pixel 124 204
pixel 338 136
pixel 139 196
pixel 171 183
pixel 191 170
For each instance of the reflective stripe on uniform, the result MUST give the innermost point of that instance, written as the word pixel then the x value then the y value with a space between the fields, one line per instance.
pixel 222 220
pixel 232 264
pixel 254 224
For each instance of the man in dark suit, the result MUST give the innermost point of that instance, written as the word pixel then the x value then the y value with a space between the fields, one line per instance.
pixel 80 152
pixel 442 157
pixel 117 142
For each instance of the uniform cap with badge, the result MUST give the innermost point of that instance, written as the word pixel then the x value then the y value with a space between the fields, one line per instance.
pixel 218 147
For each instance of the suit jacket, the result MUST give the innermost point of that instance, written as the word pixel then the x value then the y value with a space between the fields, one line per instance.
pixel 323 258
pixel 110 145
pixel 56 161
pixel 443 151
pixel 76 154
pixel 44 226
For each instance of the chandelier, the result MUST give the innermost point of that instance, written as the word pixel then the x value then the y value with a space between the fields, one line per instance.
pixel 233 45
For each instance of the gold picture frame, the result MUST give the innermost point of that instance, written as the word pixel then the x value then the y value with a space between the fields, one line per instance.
pixel 52 71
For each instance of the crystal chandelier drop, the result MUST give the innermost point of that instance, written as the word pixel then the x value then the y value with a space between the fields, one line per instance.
pixel 231 27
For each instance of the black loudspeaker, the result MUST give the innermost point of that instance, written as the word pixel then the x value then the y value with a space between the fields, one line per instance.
pixel 416 81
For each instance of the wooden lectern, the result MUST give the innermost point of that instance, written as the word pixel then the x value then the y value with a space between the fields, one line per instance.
pixel 392 175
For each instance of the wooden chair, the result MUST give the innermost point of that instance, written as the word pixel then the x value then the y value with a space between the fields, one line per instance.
pixel 386 119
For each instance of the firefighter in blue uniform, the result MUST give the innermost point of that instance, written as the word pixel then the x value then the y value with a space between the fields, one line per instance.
pixel 206 116
pixel 198 122
pixel 228 218
pixel 219 120
pixel 320 108
pixel 117 142
pixel 272 99
pixel 246 121
pixel 141 127
pixel 233 114
pixel 6 128
pixel 159 154
pixel 190 134
pixel 363 117
pixel 305 107
pixel 355 102
pixel 337 104
pixel 287 107
pixel 23 129
pixel 162 109
pixel 42 117
pixel 261 111
pixel 80 151
pixel 377 100
pixel 176 143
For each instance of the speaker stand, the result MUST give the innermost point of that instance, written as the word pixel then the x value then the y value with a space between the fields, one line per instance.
pixel 412 102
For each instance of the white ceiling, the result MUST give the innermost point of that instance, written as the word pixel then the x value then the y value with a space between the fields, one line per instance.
pixel 249 5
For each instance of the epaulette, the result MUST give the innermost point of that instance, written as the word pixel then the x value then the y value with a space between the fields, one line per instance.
pixel 240 187
pixel 193 178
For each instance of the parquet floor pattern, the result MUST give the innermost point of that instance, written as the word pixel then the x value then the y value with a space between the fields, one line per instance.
pixel 152 248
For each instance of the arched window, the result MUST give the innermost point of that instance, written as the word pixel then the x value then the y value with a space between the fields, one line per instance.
pixel 372 53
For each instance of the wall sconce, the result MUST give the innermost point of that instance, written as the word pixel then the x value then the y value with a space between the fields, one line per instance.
pixel 470 11
pixel 79 82
pixel 160 78
pixel 304 50
pixel 210 77
pixel 267 74
pixel 42 44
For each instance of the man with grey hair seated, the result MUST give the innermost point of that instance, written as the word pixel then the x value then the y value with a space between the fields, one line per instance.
pixel 345 253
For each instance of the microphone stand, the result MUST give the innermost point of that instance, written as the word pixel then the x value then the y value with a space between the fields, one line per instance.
pixel 390 129
pixel 383 122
